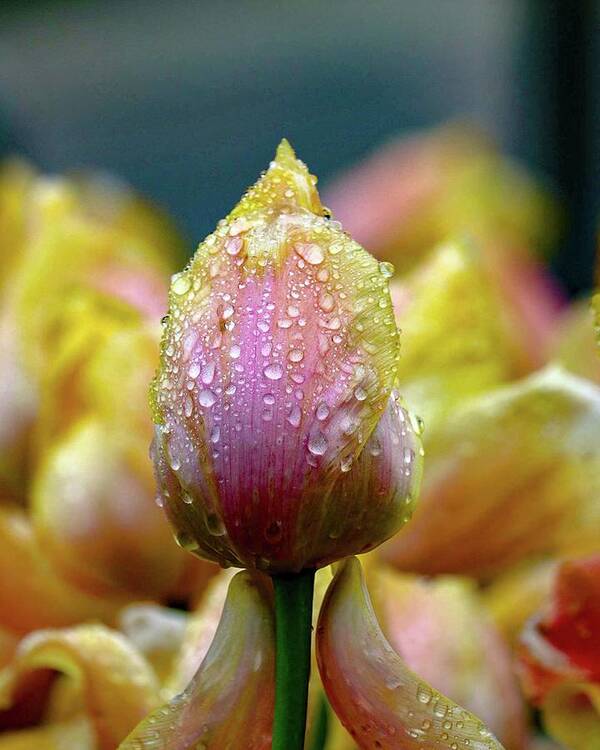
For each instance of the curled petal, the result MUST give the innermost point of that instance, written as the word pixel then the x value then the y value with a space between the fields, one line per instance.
pixel 74 732
pixel 114 683
pixel 95 514
pixel 512 474
pixel 199 633
pixel 561 643
pixel 32 595
pixel 278 360
pixel 442 632
pixel 560 658
pixel 378 699
pixel 230 701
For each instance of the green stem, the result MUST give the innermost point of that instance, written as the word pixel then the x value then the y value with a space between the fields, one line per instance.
pixel 293 623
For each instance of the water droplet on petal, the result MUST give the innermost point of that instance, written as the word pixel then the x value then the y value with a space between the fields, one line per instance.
pixel 311 253
pixel 208 373
pixel 295 416
pixel 386 269
pixel 326 302
pixel 181 283
pixel 206 398
pixel 317 444
pixel 322 411
pixel 273 371
pixel 296 355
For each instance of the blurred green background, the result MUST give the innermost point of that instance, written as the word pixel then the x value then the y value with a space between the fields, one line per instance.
pixel 187 100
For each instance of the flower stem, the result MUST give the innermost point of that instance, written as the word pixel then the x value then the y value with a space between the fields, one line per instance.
pixel 293 623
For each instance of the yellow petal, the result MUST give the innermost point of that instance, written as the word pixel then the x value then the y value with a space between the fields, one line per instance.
pixel 16 179
pixel 32 595
pixel 453 345
pixel 572 715
pixel 512 474
pixel 378 699
pixel 230 701
pixel 71 248
pixel 575 344
pixel 73 734
pixel 416 192
pixel 515 594
pixel 96 517
pixel 116 686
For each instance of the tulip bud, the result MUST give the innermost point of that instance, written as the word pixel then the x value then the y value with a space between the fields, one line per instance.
pixel 279 444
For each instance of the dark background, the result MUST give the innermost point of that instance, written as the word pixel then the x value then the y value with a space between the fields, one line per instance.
pixel 187 100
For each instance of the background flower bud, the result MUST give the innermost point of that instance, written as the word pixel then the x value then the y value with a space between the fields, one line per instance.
pixel 278 361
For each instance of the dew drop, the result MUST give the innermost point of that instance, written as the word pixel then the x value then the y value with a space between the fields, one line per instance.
pixel 295 416
pixel 235 352
pixel 194 371
pixel 322 411
pixel 296 355
pixel 360 394
pixel 233 245
pixel 310 252
pixel 215 434
pixel 317 444
pixel 206 398
pixel 386 269
pixel 214 525
pixel 208 373
pixel 273 371
pixel 423 694
pixel 181 283
pixel 326 302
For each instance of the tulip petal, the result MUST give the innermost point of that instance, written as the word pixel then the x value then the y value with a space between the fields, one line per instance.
pixel 157 633
pixel 116 685
pixel 574 344
pixel 199 633
pixel 70 249
pixel 512 474
pixel 453 345
pixel 76 733
pixel 278 359
pixel 416 192
pixel 517 593
pixel 95 514
pixel 560 658
pixel 441 630
pixel 378 699
pixel 32 595
pixel 230 701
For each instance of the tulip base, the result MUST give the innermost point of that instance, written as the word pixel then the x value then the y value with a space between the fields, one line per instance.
pixel 293 624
